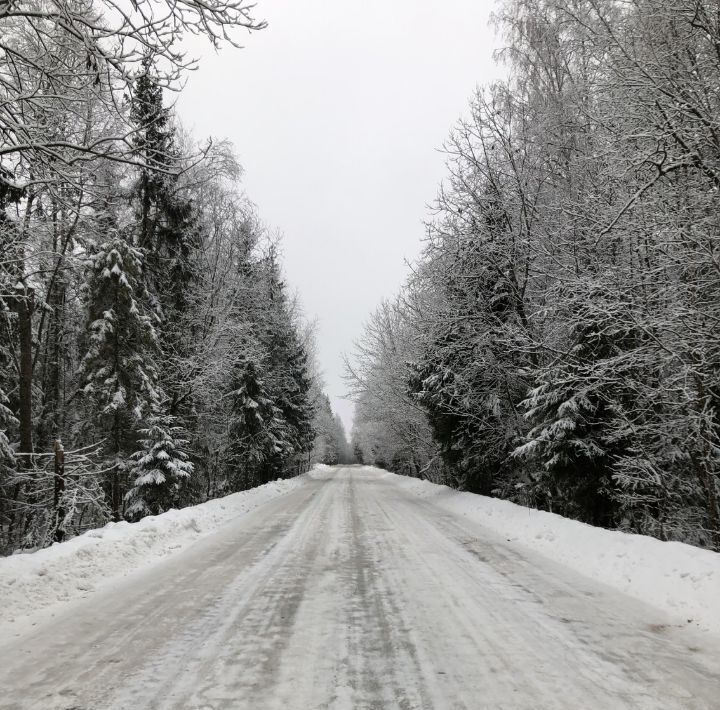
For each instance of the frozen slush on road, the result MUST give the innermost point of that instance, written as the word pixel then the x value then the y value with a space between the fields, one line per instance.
pixel 356 588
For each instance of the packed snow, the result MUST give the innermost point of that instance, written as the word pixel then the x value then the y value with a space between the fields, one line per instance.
pixel 681 580
pixel 355 590
pixel 37 583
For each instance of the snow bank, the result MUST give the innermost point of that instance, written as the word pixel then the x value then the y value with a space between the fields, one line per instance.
pixel 682 580
pixel 41 580
pixel 322 472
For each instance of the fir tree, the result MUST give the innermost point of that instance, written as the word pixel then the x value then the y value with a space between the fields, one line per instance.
pixel 118 373
pixel 259 434
pixel 10 253
pixel 160 468
pixel 289 381
pixel 293 400
pixel 327 447
pixel 10 269
pixel 168 231
pixel 7 456
pixel 153 144
pixel 576 411
pixel 358 454
pixel 469 377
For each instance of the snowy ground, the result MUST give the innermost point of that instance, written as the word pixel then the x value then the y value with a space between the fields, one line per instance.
pixel 682 580
pixel 358 589
pixel 37 585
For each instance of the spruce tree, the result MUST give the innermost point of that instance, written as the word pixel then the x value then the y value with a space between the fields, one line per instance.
pixel 152 144
pixel 168 231
pixel 159 470
pixel 576 409
pixel 358 454
pixel 289 382
pixel 168 227
pixel 293 400
pixel 7 456
pixel 469 378
pixel 118 374
pixel 326 444
pixel 259 434
pixel 10 267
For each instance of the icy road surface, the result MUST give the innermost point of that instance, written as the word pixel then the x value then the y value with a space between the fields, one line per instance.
pixel 350 592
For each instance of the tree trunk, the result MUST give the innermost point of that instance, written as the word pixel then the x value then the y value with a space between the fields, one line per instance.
pixel 53 376
pixel 24 305
pixel 59 488
pixel 116 493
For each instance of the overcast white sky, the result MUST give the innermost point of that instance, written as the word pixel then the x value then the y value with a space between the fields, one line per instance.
pixel 337 111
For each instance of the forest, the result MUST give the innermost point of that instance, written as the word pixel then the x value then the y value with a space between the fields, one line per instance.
pixel 556 344
pixel 151 354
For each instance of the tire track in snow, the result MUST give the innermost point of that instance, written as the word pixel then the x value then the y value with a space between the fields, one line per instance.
pixel 353 594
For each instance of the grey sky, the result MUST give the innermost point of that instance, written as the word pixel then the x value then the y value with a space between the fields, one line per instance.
pixel 337 110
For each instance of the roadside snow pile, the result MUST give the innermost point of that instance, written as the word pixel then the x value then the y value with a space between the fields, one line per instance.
pixel 322 472
pixel 39 580
pixel 682 580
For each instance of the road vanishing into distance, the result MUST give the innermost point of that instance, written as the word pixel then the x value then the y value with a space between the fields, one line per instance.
pixel 351 593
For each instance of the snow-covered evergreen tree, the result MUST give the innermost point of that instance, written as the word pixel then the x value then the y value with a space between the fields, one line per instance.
pixel 158 471
pixel 331 445
pixel 167 230
pixel 259 433
pixel 168 227
pixel 10 263
pixel 7 455
pixel 576 411
pixel 287 375
pixel 119 378
pixel 469 377
pixel 292 398
pixel 144 283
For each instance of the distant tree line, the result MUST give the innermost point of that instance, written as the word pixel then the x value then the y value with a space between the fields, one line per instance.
pixel 151 355
pixel 558 343
pixel 331 445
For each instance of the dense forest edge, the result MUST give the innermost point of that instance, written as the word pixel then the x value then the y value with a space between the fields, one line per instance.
pixel 151 354
pixel 556 344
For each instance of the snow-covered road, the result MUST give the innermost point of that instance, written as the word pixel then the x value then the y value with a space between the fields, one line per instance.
pixel 351 592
